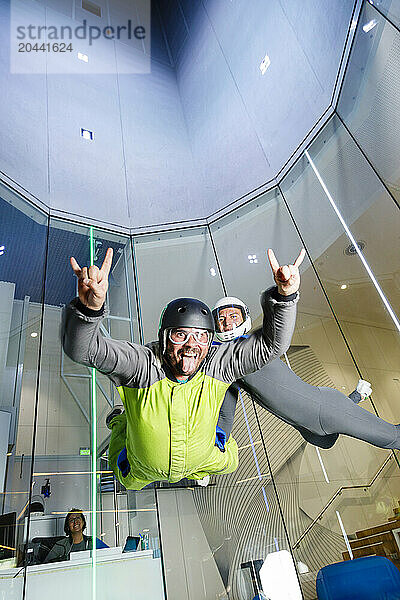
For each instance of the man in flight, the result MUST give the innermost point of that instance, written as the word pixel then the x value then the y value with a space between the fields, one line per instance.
pixel 172 390
pixel 320 414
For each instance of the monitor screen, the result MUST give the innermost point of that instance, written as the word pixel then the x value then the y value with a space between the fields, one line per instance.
pixel 7 535
pixel 131 544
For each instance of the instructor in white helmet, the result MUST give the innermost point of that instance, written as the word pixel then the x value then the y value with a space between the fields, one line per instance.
pixel 320 414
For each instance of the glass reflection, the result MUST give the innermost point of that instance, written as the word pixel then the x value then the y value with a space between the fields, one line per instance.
pixel 306 477
pixel 345 489
pixel 370 98
pixel 22 261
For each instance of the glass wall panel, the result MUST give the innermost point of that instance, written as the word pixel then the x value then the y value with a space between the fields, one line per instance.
pixel 23 234
pixel 173 265
pixel 390 8
pixel 200 530
pixel 374 221
pixel 71 471
pixel 318 355
pixel 354 486
pixel 369 102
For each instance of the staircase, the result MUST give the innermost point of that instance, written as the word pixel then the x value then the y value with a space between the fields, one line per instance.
pixel 377 541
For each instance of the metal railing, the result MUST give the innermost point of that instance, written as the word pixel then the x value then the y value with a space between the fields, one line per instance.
pixel 338 493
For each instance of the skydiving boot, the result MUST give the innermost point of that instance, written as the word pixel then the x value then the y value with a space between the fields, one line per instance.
pixel 362 391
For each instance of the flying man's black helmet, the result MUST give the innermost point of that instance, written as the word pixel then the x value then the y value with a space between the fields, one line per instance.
pixel 185 312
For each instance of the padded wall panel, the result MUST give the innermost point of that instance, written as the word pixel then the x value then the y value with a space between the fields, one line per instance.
pixel 160 171
pixel 225 145
pixel 320 27
pixel 23 119
pixel 87 177
pixel 370 101
pixel 285 102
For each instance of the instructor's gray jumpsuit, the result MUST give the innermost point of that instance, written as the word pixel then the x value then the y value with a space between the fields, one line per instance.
pixel 320 414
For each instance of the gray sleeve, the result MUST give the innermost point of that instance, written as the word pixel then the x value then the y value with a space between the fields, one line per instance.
pixel 247 355
pixel 125 363
pixel 227 411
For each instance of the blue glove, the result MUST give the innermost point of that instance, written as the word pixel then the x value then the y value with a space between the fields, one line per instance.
pixel 123 463
pixel 220 438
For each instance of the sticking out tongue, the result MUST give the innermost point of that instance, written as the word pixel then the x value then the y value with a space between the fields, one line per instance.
pixel 188 363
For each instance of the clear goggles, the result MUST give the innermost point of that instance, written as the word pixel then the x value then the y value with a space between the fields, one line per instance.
pixel 181 336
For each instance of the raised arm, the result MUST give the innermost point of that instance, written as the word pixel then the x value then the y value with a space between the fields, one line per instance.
pixel 123 362
pixel 246 355
pixel 279 304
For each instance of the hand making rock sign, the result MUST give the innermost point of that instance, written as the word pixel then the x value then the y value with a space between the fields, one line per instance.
pixel 93 282
pixel 287 277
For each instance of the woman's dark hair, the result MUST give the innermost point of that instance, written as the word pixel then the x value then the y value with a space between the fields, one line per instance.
pixel 66 522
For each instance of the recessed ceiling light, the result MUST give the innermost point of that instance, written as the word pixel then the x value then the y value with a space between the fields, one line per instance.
pixel 370 25
pixel 2 250
pixel 343 286
pixel 252 258
pixel 83 57
pixel 265 63
pixel 87 134
pixel 34 334
pixel 213 272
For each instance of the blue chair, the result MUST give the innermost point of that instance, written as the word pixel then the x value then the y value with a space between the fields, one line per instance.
pixel 366 578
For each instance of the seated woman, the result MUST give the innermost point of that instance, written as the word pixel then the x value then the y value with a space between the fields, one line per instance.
pixel 76 540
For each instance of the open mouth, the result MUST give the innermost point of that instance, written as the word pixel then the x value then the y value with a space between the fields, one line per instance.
pixel 188 361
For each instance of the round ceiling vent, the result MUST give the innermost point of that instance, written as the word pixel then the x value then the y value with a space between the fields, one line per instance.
pixel 351 249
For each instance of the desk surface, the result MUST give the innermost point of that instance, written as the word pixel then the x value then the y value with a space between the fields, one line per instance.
pixel 116 573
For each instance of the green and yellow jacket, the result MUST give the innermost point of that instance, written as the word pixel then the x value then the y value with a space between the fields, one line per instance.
pixel 170 426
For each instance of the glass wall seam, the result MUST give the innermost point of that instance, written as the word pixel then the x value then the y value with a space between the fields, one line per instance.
pixel 281 513
pixel 383 15
pixel 323 289
pixel 137 293
pixel 217 260
pixel 368 160
pixel 35 418
pixel 348 56
pixel 340 74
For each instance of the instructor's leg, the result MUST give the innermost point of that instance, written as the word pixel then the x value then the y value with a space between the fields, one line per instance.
pixel 318 410
pixel 278 389
pixel 340 415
